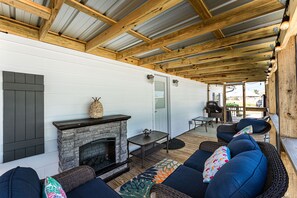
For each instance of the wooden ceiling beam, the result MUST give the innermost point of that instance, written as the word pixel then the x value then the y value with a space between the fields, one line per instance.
pixel 292 30
pixel 228 78
pixel 89 11
pixel 234 61
pixel 97 15
pixel 11 26
pixel 240 71
pixel 233 81
pixel 46 25
pixel 30 7
pixel 227 68
pixel 202 10
pixel 236 15
pixel 145 12
pixel 217 56
pixel 213 45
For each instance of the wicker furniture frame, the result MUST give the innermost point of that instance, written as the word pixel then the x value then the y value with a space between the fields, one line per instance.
pixel 276 182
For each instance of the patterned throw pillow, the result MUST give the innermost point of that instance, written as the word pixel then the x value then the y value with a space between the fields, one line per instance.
pixel 213 164
pixel 245 130
pixel 52 189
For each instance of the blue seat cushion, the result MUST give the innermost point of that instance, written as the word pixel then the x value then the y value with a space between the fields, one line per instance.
pixel 94 188
pixel 188 181
pixel 20 182
pixel 243 176
pixel 241 144
pixel 226 136
pixel 197 160
pixel 258 125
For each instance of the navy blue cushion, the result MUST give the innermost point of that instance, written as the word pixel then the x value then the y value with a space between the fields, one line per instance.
pixel 241 144
pixel 226 136
pixel 197 160
pixel 20 182
pixel 243 176
pixel 258 125
pixel 188 181
pixel 94 188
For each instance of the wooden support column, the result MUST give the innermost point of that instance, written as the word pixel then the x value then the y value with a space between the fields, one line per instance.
pixel 224 102
pixel 271 94
pixel 244 100
pixel 208 92
pixel 287 78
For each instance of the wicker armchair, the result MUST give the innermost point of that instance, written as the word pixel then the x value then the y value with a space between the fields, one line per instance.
pixel 276 182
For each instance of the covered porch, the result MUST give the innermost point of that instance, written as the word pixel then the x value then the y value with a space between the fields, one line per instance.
pixel 154 65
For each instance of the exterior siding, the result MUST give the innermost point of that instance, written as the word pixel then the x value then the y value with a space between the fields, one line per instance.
pixel 71 78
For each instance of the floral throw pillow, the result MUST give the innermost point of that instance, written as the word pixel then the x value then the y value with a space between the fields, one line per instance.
pixel 213 164
pixel 52 189
pixel 245 130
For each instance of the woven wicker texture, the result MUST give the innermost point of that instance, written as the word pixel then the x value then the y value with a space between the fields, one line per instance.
pixel 96 109
pixel 163 191
pixel 75 177
pixel 276 182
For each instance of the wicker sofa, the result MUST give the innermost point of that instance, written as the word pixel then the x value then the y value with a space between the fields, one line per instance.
pixel 80 182
pixel 276 181
pixel 225 132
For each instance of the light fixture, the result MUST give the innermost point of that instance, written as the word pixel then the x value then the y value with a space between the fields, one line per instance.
pixel 285 23
pixel 150 77
pixel 175 82
pixel 277 47
pixel 270 67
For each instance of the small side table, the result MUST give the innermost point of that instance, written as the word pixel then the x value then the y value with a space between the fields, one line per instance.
pixel 203 120
pixel 148 144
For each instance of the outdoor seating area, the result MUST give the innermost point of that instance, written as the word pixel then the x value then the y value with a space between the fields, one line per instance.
pixel 148 98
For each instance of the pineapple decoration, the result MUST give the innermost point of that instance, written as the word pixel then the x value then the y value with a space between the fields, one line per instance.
pixel 96 108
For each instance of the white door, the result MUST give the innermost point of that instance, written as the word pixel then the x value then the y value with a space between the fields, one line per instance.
pixel 161 104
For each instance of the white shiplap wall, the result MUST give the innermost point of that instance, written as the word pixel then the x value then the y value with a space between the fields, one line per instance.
pixel 72 78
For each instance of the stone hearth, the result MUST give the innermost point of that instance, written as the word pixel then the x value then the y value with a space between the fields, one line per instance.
pixel 76 133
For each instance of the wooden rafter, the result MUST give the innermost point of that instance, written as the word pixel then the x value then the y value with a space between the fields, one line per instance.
pixel 140 15
pixel 261 65
pixel 238 71
pixel 218 56
pixel 30 6
pixel 213 45
pixel 249 79
pixel 97 15
pixel 56 6
pixel 202 10
pixel 233 61
pixel 11 26
pixel 236 15
pixel 227 77
pixel 292 30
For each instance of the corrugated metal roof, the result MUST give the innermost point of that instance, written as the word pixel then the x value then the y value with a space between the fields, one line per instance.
pixel 176 18
pixel 255 23
pixel 75 24
pixel 219 6
pixel 21 15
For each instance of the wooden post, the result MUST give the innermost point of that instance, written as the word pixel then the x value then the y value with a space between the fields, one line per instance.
pixel 244 100
pixel 271 94
pixel 208 92
pixel 288 89
pixel 224 102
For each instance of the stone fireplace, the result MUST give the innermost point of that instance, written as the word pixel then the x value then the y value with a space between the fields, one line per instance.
pixel 98 154
pixel 100 143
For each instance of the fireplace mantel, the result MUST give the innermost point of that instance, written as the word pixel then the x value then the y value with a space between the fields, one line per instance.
pixel 72 124
pixel 73 134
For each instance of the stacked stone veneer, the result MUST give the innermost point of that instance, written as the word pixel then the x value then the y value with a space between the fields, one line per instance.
pixel 70 140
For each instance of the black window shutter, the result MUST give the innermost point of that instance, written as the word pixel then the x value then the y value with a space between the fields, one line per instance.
pixel 23 115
